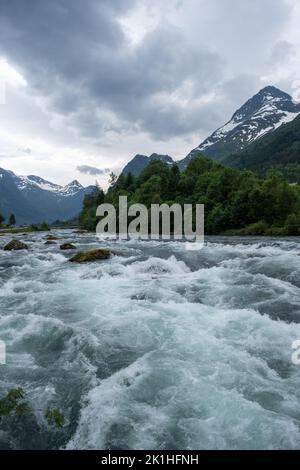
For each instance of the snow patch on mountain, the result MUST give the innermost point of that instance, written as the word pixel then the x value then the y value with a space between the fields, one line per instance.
pixel 71 188
pixel 31 181
pixel 262 114
pixel 25 182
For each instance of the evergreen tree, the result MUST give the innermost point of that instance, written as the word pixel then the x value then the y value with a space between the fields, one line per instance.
pixel 236 201
pixel 12 219
pixel 129 182
pixel 112 179
pixel 174 179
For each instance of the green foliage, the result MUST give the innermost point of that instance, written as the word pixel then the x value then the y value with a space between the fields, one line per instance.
pixel 54 417
pixel 292 224
pixel 112 178
pixel 87 218
pixel 150 192
pixel 43 227
pixel 2 219
pixel 13 403
pixel 235 201
pixel 129 183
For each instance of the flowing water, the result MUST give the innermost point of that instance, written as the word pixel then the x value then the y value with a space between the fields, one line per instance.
pixel 156 348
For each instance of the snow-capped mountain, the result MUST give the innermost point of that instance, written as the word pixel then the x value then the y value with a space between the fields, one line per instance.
pixel 71 189
pixel 260 115
pixel 279 149
pixel 25 182
pixel 33 199
pixel 139 162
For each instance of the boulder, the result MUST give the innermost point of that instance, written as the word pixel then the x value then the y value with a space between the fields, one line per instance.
pixel 50 242
pixel 88 256
pixel 15 245
pixel 67 246
pixel 52 238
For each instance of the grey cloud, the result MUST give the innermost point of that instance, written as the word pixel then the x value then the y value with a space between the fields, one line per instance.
pixel 244 25
pixel 92 170
pixel 281 51
pixel 75 54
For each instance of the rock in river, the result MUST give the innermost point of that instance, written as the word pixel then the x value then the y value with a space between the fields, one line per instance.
pixel 87 256
pixel 15 245
pixel 67 246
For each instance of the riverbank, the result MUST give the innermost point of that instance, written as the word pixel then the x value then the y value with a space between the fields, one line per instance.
pixel 33 228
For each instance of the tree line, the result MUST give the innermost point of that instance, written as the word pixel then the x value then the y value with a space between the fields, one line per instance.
pixel 11 220
pixel 236 202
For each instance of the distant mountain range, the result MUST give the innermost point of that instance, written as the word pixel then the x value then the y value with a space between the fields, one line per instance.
pixel 260 116
pixel 33 199
pixel 263 133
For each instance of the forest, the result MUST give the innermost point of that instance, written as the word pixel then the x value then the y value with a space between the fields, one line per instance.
pixel 236 202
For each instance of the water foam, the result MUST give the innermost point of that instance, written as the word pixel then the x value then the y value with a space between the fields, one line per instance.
pixel 158 347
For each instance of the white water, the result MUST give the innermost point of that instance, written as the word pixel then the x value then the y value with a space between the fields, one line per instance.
pixel 156 348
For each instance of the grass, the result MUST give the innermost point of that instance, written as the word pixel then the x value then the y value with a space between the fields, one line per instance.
pixel 3 231
pixel 25 229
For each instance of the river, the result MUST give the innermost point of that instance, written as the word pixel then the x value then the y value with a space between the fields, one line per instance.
pixel 156 348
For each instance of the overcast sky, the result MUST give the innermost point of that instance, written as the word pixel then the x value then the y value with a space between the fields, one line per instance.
pixel 91 83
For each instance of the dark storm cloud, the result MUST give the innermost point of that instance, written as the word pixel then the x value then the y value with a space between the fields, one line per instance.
pixel 91 170
pixel 75 55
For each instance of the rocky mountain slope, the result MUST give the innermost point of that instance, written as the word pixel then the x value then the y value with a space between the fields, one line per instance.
pixel 260 115
pixel 280 149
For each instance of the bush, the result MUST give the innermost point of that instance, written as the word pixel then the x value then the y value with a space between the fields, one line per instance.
pixel 292 224
pixel 43 227
pixel 259 228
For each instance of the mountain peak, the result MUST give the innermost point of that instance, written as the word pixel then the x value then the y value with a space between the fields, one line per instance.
pixel 72 188
pixel 260 115
pixel 163 158
pixel 74 183
pixel 269 96
pixel 139 162
pixel 274 92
